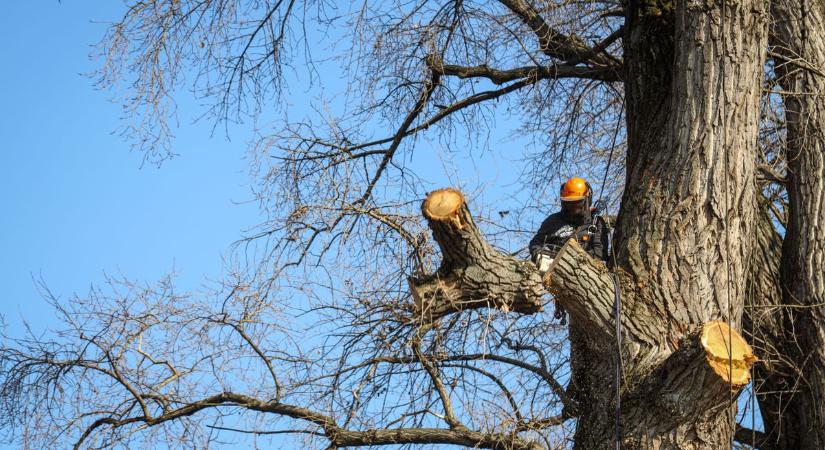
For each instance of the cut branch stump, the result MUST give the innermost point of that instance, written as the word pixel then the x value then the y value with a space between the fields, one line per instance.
pixel 676 375
pixel 472 274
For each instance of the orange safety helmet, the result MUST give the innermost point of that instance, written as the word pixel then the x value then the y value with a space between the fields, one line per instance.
pixel 575 189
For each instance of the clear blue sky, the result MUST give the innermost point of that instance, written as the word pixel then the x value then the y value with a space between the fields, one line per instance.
pixel 74 199
pixel 76 202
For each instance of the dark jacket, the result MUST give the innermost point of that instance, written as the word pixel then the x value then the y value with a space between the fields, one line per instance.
pixel 556 229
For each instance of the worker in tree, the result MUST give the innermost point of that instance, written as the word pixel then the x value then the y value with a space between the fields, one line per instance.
pixel 577 219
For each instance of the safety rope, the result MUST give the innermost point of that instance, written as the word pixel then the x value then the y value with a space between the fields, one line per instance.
pixel 726 157
pixel 617 298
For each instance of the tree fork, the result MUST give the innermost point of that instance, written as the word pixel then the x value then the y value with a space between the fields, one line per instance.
pixel 584 286
pixel 472 274
pixel 677 376
pixel 666 361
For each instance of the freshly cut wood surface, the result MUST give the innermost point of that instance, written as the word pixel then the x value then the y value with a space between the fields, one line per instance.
pixel 728 353
pixel 442 204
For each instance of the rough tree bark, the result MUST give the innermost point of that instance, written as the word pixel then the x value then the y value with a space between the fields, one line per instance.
pixel 705 364
pixel 692 84
pixel 472 274
pixel 676 402
pixel 798 43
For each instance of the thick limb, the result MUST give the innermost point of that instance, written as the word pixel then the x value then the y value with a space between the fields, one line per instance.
pixel 472 274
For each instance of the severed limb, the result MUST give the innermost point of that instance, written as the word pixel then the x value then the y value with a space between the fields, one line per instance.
pixel 584 286
pixel 472 274
pixel 712 362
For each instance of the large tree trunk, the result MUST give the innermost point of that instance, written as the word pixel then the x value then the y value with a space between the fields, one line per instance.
pixel 680 401
pixel 673 388
pixel 693 80
pixel 799 44
pixel 693 107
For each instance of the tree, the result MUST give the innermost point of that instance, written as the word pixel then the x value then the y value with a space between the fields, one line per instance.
pixel 793 405
pixel 409 345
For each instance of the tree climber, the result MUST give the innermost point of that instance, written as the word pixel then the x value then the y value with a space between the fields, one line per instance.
pixel 576 219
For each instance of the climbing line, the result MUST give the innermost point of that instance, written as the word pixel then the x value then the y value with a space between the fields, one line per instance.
pixel 617 298
pixel 726 221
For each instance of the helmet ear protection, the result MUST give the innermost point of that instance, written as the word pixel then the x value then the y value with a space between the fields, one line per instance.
pixel 588 195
